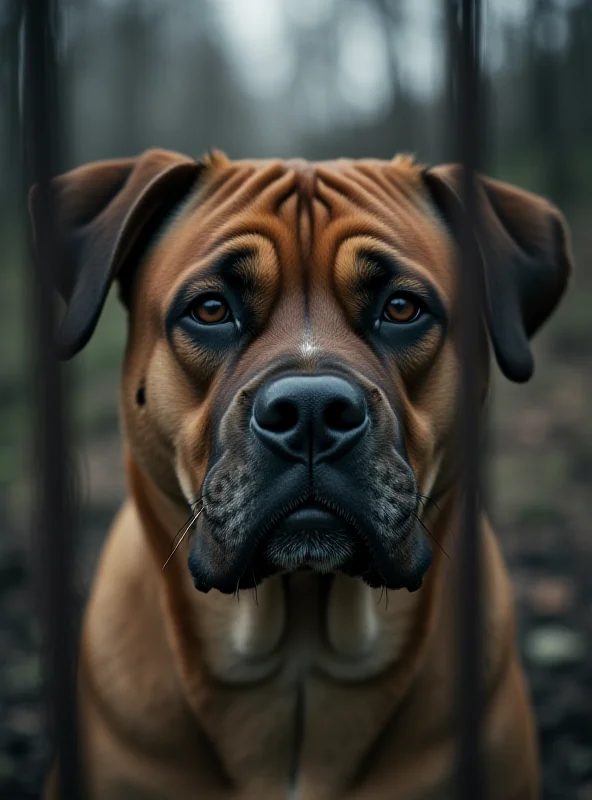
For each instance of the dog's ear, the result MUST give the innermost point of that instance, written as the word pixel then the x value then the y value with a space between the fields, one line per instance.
pixel 526 260
pixel 107 213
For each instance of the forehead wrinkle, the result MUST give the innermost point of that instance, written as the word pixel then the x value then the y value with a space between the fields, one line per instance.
pixel 371 189
pixel 394 208
pixel 306 181
pixel 237 227
pixel 406 233
pixel 380 192
pixel 274 193
pixel 218 187
pixel 395 201
pixel 234 193
pixel 394 184
pixel 321 211
pixel 249 198
pixel 336 191
pixel 306 232
pixel 290 201
pixel 389 192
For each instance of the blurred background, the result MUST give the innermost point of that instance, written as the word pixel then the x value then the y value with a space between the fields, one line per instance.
pixel 318 79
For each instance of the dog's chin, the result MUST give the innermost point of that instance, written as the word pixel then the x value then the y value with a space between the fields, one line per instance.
pixel 317 539
pixel 313 538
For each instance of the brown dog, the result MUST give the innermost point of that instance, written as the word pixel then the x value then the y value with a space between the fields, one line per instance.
pixel 291 374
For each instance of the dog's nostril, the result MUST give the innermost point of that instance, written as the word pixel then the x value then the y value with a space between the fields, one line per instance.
pixel 300 417
pixel 280 416
pixel 343 415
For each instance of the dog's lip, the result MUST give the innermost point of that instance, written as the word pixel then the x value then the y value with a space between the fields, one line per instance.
pixel 310 516
pixel 310 536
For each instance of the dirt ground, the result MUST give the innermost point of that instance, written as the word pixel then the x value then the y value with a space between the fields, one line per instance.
pixel 541 470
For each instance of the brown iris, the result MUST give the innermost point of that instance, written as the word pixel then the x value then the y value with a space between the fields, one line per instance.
pixel 402 308
pixel 210 309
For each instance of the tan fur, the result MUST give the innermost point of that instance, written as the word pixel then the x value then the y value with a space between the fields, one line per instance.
pixel 187 695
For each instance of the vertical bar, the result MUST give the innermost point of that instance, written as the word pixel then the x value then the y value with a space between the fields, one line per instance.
pixel 53 539
pixel 464 57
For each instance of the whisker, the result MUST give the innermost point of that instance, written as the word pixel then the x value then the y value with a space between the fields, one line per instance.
pixel 430 534
pixel 427 498
pixel 381 593
pixel 183 533
pixel 255 587
pixel 190 522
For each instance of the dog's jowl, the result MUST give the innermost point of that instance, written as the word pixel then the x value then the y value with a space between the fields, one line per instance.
pixel 289 403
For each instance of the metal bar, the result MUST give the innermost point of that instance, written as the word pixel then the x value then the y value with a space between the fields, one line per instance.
pixel 53 540
pixel 464 56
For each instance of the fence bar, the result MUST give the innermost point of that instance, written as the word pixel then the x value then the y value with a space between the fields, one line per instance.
pixel 464 59
pixel 53 540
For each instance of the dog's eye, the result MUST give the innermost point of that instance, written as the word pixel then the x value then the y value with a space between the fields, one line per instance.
pixel 210 309
pixel 402 308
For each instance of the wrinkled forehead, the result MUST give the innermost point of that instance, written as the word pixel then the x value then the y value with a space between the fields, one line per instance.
pixel 300 226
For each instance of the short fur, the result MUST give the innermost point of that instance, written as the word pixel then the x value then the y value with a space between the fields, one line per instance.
pixel 313 688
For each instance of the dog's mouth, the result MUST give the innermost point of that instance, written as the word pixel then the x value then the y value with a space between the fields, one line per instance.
pixel 313 537
pixel 338 524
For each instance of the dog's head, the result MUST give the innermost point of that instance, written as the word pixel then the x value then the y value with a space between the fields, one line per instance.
pixel 291 362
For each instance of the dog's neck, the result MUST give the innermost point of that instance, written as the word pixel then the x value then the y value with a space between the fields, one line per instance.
pixel 290 624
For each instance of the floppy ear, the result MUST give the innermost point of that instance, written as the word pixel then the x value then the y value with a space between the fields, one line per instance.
pixel 526 260
pixel 107 212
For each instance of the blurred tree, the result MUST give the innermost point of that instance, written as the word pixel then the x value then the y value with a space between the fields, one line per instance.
pixel 548 32
pixel 577 83
pixel 10 21
pixel 135 24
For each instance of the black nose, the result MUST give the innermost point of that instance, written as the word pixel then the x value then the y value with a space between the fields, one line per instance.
pixel 310 417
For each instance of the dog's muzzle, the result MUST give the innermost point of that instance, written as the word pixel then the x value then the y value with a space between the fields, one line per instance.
pixel 310 446
pixel 310 419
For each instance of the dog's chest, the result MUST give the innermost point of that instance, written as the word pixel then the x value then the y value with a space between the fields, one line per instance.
pixel 303 686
